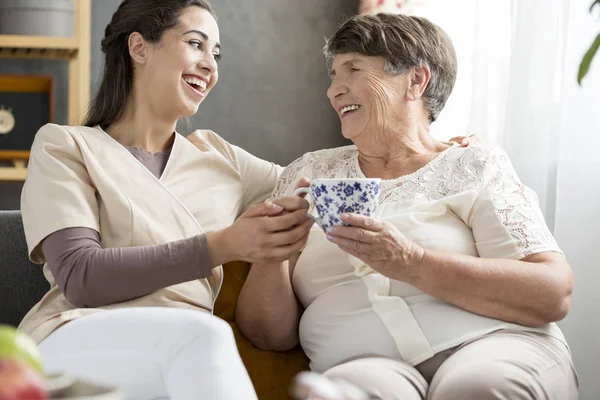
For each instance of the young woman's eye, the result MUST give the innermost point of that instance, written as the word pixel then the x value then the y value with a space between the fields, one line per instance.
pixel 217 57
pixel 195 44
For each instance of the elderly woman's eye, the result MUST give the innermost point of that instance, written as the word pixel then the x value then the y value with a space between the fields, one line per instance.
pixel 354 69
pixel 195 44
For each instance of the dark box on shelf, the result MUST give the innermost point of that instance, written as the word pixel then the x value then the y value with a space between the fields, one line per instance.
pixel 25 105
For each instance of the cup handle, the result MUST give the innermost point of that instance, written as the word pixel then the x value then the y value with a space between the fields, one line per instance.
pixel 305 190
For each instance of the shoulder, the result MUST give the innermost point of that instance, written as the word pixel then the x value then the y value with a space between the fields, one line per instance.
pixel 49 132
pixel 485 166
pixel 470 154
pixel 205 139
pixel 330 154
pixel 63 137
pixel 317 163
pixel 478 157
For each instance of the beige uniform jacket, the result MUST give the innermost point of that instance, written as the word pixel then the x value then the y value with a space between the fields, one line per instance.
pixel 82 177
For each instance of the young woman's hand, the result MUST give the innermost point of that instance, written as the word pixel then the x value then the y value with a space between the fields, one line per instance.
pixel 265 233
pixel 464 141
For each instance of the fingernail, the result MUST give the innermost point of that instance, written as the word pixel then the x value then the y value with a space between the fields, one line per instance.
pixel 330 238
pixel 344 216
pixel 277 207
pixel 330 230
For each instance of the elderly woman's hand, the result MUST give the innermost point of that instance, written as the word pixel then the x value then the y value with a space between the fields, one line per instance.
pixel 378 244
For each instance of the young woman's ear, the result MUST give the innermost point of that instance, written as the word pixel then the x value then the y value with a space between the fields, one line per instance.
pixel 138 48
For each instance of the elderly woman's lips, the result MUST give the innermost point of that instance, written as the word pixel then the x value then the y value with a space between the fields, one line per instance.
pixel 349 109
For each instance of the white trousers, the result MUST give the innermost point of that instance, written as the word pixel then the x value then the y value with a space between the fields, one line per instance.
pixel 152 353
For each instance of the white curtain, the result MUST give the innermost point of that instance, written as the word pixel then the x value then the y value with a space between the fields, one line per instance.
pixel 516 87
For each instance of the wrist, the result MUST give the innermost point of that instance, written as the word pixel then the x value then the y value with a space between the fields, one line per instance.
pixel 218 247
pixel 414 264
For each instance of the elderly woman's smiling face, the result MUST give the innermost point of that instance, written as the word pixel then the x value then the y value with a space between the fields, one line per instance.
pixel 366 98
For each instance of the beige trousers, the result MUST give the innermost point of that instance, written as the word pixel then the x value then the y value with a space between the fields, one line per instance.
pixel 507 365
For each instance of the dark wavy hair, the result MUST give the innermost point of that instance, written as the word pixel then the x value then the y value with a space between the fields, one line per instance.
pixel 150 18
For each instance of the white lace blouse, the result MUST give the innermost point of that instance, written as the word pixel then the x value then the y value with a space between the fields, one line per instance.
pixel 467 200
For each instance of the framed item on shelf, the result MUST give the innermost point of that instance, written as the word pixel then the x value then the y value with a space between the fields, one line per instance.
pixel 26 103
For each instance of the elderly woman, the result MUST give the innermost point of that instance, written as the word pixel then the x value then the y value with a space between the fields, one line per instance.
pixel 464 280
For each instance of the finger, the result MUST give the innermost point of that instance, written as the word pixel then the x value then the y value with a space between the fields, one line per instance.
pixel 362 221
pixel 353 245
pixel 290 236
pixel 465 142
pixel 282 253
pixel 286 221
pixel 304 182
pixel 292 203
pixel 457 139
pixel 353 233
pixel 260 210
pixel 475 138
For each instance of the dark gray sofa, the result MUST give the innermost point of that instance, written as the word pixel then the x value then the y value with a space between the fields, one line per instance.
pixel 22 283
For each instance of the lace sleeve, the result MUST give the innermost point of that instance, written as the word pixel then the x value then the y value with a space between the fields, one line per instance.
pixel 507 221
pixel 290 175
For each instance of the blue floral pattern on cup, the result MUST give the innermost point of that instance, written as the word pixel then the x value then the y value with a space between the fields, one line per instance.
pixel 333 197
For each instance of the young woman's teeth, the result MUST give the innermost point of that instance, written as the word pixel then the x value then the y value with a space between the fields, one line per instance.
pixel 196 83
pixel 350 108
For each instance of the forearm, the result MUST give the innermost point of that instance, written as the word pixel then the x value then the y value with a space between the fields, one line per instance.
pixel 268 312
pixel 92 276
pixel 527 293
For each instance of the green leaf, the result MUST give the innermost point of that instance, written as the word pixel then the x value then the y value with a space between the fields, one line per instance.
pixel 584 67
pixel 595 3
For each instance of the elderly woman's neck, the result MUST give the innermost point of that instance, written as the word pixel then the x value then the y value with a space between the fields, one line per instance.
pixel 395 154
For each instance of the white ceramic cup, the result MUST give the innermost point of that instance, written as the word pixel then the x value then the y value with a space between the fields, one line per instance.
pixel 333 197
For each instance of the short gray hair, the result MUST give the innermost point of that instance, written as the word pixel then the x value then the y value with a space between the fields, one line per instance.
pixel 404 42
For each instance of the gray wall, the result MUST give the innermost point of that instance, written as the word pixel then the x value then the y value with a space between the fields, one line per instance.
pixel 270 99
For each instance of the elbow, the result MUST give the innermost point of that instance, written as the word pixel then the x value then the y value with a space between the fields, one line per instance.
pixel 78 298
pixel 75 299
pixel 264 336
pixel 560 308
pixel 557 292
pixel 268 342
pixel 73 293
pixel 80 295
pixel 558 305
pixel 563 299
pixel 554 311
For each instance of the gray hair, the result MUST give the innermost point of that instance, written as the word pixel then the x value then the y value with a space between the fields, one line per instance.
pixel 404 42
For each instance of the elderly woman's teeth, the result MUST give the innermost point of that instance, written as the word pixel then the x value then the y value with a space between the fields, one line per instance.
pixel 196 83
pixel 350 108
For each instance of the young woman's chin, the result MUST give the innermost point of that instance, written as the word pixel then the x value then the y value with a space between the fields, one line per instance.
pixel 188 108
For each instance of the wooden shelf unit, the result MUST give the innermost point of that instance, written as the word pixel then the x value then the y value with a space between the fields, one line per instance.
pixel 75 50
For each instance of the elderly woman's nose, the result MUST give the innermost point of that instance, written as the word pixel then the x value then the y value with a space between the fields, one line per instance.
pixel 336 89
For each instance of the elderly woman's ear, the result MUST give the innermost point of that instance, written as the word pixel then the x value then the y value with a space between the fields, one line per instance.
pixel 419 79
